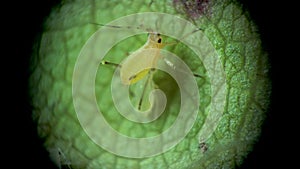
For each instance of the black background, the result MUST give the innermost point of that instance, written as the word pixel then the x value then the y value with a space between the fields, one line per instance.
pixel 24 20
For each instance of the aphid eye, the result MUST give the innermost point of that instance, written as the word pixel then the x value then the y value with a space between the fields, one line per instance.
pixel 159 40
pixel 158 34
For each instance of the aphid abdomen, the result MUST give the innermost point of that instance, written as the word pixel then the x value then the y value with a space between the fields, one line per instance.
pixel 137 65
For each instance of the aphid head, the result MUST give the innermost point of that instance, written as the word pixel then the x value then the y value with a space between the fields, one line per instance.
pixel 154 37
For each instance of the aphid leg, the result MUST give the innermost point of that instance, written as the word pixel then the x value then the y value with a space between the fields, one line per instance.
pixel 103 62
pixel 150 3
pixel 169 63
pixel 183 37
pixel 170 43
pixel 197 75
pixel 149 77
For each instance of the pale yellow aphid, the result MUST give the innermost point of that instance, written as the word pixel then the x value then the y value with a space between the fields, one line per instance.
pixel 139 60
pixel 130 69
pixel 139 64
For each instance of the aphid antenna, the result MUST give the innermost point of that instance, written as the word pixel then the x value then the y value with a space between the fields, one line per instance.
pixel 112 26
pixel 190 33
pixel 141 26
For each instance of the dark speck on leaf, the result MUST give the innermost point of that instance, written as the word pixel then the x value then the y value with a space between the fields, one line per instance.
pixel 192 8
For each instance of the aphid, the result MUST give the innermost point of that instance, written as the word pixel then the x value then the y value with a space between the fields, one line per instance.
pixel 130 69
pixel 59 158
pixel 203 147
